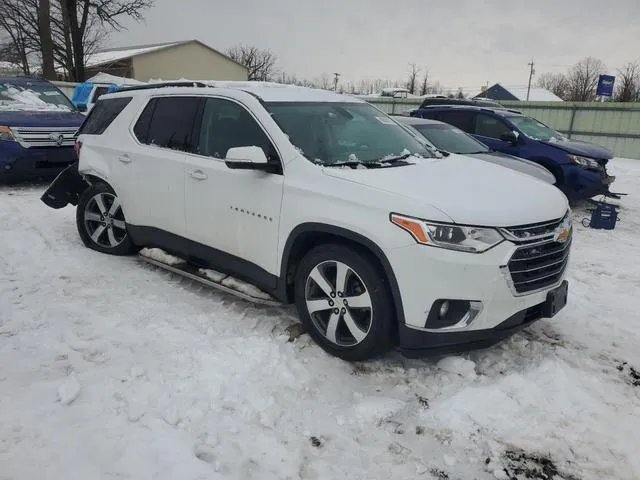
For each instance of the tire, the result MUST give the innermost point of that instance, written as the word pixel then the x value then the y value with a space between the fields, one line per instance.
pixel 102 226
pixel 341 328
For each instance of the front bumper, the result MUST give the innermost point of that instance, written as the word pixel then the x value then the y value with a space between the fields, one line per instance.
pixel 417 343
pixel 427 275
pixel 581 183
pixel 19 163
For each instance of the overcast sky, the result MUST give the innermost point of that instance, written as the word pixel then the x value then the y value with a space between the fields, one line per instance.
pixel 463 43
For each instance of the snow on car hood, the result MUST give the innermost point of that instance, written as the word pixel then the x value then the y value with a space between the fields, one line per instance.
pixel 469 191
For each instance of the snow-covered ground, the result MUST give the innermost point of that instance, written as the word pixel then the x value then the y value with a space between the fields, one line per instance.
pixel 110 368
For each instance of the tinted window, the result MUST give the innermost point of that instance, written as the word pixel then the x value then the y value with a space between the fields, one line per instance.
pixel 225 125
pixel 450 138
pixel 172 123
pixel 102 114
pixel 141 129
pixel 462 120
pixel 489 126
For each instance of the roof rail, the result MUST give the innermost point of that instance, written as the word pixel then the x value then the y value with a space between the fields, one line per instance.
pixel 163 85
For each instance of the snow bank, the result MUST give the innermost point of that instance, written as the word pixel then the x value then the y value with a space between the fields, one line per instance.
pixel 163 381
pixel 161 256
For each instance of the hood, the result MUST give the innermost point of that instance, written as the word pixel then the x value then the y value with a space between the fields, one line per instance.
pixel 40 119
pixel 518 164
pixel 466 190
pixel 585 149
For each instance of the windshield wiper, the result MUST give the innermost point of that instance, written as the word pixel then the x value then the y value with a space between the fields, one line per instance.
pixel 348 163
pixel 395 159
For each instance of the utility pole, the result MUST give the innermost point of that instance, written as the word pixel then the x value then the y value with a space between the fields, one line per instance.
pixel 531 72
pixel 335 81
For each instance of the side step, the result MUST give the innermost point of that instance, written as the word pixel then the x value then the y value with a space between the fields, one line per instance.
pixel 209 278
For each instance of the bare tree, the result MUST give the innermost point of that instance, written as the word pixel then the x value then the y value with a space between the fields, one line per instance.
pixel 460 93
pixel 46 39
pixel 556 83
pixel 77 16
pixel 260 63
pixel 424 89
pixel 628 89
pixel 436 88
pixel 20 40
pixel 583 79
pixel 413 78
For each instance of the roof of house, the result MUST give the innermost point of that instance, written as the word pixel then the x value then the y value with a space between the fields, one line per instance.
pixel 536 94
pixel 112 55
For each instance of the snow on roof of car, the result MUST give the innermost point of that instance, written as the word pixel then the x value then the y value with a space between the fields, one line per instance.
pixel 270 91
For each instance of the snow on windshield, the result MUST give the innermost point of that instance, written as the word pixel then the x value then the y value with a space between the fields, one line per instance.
pixel 13 98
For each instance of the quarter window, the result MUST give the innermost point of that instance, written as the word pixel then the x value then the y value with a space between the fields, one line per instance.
pixel 102 114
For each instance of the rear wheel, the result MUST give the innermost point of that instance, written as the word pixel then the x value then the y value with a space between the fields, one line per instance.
pixel 101 223
pixel 344 302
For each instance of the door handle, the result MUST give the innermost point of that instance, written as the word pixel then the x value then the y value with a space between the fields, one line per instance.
pixel 124 158
pixel 198 175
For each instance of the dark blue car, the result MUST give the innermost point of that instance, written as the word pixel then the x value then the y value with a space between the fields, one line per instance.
pixel 579 167
pixel 37 128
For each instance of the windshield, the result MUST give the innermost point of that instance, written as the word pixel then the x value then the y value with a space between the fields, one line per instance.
pixel 33 97
pixel 450 139
pixel 332 133
pixel 536 130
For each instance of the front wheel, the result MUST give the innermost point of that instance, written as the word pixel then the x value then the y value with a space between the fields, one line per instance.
pixel 344 302
pixel 101 223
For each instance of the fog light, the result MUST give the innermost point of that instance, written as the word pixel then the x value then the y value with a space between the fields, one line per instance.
pixel 444 309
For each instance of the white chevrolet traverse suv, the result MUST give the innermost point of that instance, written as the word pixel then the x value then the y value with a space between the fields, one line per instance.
pixel 322 200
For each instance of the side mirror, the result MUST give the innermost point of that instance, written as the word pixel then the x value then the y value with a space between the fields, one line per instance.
pixel 82 108
pixel 247 158
pixel 511 137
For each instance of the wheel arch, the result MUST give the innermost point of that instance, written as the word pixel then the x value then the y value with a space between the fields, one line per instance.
pixel 308 235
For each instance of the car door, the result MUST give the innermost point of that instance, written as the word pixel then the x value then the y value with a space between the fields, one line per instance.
pixel 489 128
pixel 155 163
pixel 234 212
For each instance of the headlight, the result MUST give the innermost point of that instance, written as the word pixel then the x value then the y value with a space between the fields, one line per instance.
pixel 584 161
pixel 5 133
pixel 449 236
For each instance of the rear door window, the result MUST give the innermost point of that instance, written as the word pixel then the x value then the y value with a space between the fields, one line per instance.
pixel 102 115
pixel 462 120
pixel 490 126
pixel 169 122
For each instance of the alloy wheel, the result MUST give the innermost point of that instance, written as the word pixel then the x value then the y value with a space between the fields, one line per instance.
pixel 104 220
pixel 338 303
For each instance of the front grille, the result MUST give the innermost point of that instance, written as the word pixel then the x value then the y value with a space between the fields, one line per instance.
pixel 30 137
pixel 537 266
pixel 533 232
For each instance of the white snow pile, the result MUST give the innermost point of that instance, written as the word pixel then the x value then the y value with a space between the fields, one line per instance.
pixel 110 370
pixel 161 256
pixel 19 99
